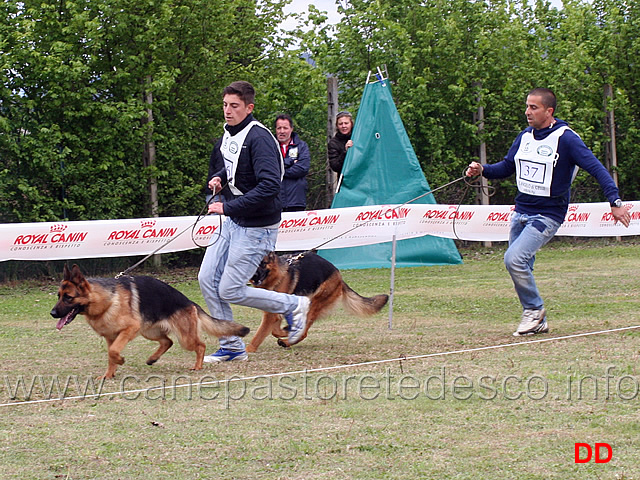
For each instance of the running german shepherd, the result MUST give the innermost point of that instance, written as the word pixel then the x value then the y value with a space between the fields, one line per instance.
pixel 311 275
pixel 121 309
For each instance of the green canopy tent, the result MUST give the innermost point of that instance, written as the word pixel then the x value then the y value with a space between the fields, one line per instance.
pixel 382 169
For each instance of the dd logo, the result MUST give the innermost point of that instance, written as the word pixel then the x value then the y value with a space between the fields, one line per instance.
pixel 590 452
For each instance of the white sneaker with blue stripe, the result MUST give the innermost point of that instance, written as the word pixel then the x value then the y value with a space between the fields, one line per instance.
pixel 298 323
pixel 224 355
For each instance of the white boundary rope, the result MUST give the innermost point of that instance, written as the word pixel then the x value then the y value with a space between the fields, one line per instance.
pixel 234 379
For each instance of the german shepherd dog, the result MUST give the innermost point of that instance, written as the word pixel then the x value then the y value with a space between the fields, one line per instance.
pixel 311 275
pixel 121 309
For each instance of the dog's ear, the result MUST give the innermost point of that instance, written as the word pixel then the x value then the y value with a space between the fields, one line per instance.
pixel 76 275
pixel 272 257
pixel 66 274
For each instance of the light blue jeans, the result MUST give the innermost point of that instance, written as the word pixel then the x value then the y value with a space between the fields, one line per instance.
pixel 527 235
pixel 228 264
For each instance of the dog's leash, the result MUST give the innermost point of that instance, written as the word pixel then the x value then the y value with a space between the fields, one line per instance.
pixel 295 258
pixel 201 215
pixel 464 177
pixel 490 191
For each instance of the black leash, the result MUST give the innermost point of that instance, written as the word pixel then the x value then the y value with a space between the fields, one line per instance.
pixel 468 183
pixel 394 208
pixel 201 215
pixel 491 190
pixel 205 209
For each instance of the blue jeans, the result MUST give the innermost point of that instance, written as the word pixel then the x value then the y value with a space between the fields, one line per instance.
pixel 228 264
pixel 527 235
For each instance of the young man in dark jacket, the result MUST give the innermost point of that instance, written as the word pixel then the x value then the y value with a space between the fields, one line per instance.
pixel 545 158
pixel 297 161
pixel 246 169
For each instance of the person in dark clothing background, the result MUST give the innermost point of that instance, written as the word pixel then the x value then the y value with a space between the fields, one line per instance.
pixel 297 161
pixel 340 142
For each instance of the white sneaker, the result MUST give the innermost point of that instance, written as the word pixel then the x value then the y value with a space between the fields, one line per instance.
pixel 299 320
pixel 533 322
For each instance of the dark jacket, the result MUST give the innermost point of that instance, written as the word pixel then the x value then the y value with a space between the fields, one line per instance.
pixel 257 177
pixel 296 167
pixel 572 152
pixel 337 151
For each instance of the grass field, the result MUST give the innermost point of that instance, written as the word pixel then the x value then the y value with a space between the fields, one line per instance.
pixel 355 400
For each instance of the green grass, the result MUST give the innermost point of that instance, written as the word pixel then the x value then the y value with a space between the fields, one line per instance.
pixel 513 412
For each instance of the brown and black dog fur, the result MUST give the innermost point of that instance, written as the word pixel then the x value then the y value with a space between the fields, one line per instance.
pixel 310 275
pixel 121 309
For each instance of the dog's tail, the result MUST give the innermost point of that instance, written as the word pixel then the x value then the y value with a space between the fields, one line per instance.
pixel 220 328
pixel 359 305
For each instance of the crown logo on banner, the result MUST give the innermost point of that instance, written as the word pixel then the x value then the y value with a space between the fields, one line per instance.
pixel 573 208
pixel 57 228
pixel 147 223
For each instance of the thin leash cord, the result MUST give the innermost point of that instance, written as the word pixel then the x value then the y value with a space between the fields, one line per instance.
pixel 395 208
pixel 132 267
pixel 490 190
pixel 201 215
pixel 463 177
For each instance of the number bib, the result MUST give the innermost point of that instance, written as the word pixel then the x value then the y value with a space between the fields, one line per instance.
pixel 535 160
pixel 232 146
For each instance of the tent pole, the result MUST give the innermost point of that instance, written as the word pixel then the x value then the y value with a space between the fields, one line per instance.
pixel 393 280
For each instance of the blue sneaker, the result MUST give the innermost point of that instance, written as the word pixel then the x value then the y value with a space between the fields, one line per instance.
pixel 224 355
pixel 299 320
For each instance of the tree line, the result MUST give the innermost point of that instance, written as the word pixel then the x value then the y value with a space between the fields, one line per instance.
pixel 109 109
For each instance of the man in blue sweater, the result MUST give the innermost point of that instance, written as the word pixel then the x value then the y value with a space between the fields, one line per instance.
pixel 545 158
pixel 246 169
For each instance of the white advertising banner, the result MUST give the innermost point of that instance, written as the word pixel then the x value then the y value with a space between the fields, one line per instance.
pixel 332 228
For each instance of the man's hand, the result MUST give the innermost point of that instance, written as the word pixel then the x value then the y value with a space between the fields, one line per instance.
pixel 621 214
pixel 474 169
pixel 216 207
pixel 215 184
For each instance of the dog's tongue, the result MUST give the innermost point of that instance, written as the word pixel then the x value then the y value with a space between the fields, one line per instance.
pixel 63 321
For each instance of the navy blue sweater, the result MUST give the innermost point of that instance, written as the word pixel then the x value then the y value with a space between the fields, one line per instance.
pixel 571 152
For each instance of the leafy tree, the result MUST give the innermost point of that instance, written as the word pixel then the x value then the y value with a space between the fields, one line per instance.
pixel 87 87
pixel 447 58
pixel 294 86
pixel 77 79
pixel 616 64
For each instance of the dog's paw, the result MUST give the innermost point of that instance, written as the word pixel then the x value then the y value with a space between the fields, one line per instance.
pixel 280 332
